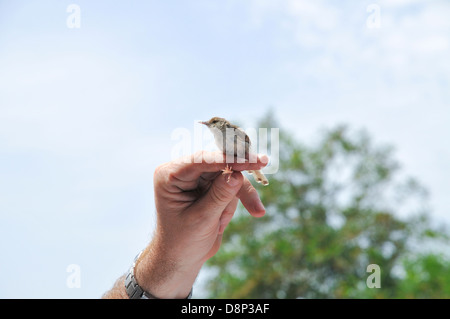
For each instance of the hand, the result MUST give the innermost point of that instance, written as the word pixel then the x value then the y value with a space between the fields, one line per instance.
pixel 194 204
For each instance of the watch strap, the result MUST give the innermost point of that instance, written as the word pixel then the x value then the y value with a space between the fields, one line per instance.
pixel 134 291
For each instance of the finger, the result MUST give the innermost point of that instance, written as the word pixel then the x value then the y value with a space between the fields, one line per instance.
pixel 209 176
pixel 218 197
pixel 250 199
pixel 166 176
pixel 191 167
pixel 228 214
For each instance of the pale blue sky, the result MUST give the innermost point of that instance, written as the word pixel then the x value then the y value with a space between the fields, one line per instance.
pixel 87 114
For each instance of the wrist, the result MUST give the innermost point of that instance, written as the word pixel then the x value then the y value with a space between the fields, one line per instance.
pixel 164 277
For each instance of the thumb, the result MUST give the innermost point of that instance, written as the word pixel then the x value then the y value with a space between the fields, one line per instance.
pixel 220 194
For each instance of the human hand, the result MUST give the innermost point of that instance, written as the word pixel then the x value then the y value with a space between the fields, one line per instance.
pixel 194 204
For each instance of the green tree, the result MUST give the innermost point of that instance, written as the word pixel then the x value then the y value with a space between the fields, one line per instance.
pixel 331 210
pixel 426 276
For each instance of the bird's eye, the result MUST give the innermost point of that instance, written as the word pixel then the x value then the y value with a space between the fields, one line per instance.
pixel 214 122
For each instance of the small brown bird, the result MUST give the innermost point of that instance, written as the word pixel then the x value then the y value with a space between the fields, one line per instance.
pixel 232 140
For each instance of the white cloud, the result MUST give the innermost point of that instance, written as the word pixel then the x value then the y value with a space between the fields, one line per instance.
pixel 392 80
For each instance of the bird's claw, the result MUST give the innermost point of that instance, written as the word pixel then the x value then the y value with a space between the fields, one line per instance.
pixel 227 171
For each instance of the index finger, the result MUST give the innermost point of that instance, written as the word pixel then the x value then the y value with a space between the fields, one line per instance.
pixel 192 166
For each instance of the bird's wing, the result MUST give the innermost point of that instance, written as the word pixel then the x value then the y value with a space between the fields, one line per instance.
pixel 240 133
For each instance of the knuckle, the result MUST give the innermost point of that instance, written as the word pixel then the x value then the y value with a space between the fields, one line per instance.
pixel 166 174
pixel 249 188
pixel 161 174
pixel 171 177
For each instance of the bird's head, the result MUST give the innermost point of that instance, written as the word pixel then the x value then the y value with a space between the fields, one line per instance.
pixel 217 122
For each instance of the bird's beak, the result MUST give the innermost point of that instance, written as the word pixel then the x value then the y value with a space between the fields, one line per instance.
pixel 206 123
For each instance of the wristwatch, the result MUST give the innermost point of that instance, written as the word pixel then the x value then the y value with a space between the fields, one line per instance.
pixel 134 291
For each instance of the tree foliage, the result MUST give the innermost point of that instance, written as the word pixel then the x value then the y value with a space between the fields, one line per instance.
pixel 331 210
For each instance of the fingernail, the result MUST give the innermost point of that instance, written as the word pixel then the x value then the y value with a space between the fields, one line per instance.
pixel 263 158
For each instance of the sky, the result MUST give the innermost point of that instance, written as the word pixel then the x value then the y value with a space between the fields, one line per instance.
pixel 87 110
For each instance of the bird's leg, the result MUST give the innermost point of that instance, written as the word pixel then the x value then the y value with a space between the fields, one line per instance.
pixel 227 171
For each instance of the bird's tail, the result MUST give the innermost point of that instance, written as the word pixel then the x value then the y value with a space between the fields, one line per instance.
pixel 259 177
